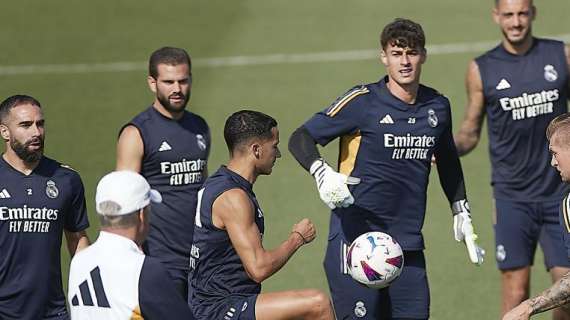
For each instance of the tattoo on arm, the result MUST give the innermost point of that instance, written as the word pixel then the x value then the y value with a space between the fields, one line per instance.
pixel 555 296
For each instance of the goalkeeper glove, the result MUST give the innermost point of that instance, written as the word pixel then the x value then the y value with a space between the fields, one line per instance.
pixel 332 186
pixel 463 231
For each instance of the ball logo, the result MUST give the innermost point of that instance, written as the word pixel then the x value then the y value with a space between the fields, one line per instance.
pixel 51 190
pixel 501 253
pixel 550 73
pixel 201 142
pixel 360 309
pixel 432 118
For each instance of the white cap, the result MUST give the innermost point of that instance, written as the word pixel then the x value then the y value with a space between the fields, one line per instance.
pixel 128 189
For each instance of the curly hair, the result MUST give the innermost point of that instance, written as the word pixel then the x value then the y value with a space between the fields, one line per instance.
pixel 403 33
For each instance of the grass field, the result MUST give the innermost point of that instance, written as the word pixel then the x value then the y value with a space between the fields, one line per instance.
pixel 87 96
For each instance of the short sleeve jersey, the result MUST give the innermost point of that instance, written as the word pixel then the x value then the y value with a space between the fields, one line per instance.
pixel 522 95
pixel 174 163
pixel 217 268
pixel 112 279
pixel 34 211
pixel 388 144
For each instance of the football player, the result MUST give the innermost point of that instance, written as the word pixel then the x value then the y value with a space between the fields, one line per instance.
pixel 40 199
pixel 388 132
pixel 520 86
pixel 169 146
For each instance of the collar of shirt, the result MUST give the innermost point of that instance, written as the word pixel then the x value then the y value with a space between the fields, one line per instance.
pixel 239 179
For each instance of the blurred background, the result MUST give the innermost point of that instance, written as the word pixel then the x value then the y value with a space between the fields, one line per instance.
pixel 86 63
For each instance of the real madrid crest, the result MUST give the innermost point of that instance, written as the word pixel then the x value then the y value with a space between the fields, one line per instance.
pixel 51 190
pixel 432 118
pixel 359 309
pixel 201 142
pixel 501 253
pixel 550 73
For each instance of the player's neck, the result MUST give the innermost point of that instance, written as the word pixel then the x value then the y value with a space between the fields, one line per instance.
pixel 167 113
pixel 244 168
pixel 128 233
pixel 406 92
pixel 520 48
pixel 18 164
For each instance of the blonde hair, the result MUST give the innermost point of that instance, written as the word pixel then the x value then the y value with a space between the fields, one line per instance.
pixel 560 125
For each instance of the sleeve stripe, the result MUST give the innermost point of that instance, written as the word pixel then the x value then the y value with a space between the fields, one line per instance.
pixel 565 212
pixel 342 102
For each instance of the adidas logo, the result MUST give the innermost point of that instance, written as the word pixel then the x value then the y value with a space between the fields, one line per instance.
pixel 387 120
pixel 503 84
pixel 4 194
pixel 164 146
pixel 99 290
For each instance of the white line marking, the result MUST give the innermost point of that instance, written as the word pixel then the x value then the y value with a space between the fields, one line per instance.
pixel 238 61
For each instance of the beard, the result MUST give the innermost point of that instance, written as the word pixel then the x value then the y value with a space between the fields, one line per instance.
pixel 520 41
pixel 23 151
pixel 174 108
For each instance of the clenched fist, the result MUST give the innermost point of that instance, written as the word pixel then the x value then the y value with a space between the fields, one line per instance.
pixel 306 230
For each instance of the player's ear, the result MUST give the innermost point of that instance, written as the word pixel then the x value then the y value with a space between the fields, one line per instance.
pixel 423 55
pixel 495 14
pixel 383 57
pixel 532 12
pixel 151 81
pixel 144 218
pixel 4 132
pixel 256 150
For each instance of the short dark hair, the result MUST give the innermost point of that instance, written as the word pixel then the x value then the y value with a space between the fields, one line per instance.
pixel 15 101
pixel 403 33
pixel 167 55
pixel 560 124
pixel 244 125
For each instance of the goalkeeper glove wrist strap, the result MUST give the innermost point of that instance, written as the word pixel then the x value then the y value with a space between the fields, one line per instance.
pixel 460 206
pixel 316 165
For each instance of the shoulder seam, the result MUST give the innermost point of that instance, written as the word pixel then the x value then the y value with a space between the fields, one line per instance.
pixel 66 166
pixel 341 103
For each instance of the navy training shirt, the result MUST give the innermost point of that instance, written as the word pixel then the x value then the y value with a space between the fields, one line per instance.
pixel 218 272
pixel 34 211
pixel 175 164
pixel 388 144
pixel 522 95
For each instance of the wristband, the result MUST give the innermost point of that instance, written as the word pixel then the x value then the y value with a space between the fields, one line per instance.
pixel 300 235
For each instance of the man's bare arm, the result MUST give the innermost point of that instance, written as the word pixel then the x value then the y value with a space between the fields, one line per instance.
pixel 553 297
pixel 234 212
pixel 76 241
pixel 470 130
pixel 130 150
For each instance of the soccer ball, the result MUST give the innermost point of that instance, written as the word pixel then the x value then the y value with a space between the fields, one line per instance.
pixel 375 259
